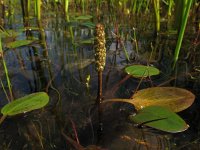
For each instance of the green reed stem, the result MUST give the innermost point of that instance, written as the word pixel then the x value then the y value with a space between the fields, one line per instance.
pixel 6 72
pixel 140 6
pixel 134 4
pixel 28 6
pixel 157 13
pixel 147 6
pixel 83 6
pixel 182 30
pixel 171 2
pixel 125 51
pixel 66 4
pixel 38 9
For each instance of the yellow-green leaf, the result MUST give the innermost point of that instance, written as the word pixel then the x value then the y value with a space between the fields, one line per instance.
pixel 176 99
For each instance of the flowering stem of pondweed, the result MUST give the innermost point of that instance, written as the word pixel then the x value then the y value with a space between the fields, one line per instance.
pixel 100 59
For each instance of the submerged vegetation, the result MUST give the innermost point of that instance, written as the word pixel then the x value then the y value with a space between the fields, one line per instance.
pixel 111 74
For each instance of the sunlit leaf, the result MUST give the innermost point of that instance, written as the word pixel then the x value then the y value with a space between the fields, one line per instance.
pixel 141 71
pixel 19 43
pixel 26 104
pixel 176 99
pixel 160 118
pixel 86 17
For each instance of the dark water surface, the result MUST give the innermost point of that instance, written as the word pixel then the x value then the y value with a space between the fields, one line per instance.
pixel 68 74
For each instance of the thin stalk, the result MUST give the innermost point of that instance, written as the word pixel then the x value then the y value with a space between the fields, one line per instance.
pixel 66 4
pixel 134 6
pixel 182 30
pixel 2 119
pixel 140 6
pixel 99 102
pixel 83 6
pixel 157 13
pixel 125 50
pixel 28 6
pixel 38 9
pixel 4 90
pixel 135 40
pixel 171 2
pixel 6 72
pixel 147 6
pixel 100 59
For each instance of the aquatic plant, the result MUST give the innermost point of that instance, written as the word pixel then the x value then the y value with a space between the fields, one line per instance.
pixel 38 9
pixel 185 13
pixel 141 71
pixel 160 118
pixel 6 71
pixel 25 104
pixel 162 100
pixel 100 49
pixel 100 61
pixel 176 99
pixel 156 4
pixel 66 5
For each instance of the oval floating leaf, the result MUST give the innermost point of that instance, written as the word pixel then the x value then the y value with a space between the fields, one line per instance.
pixel 26 104
pixel 160 118
pixel 19 43
pixel 176 99
pixel 139 71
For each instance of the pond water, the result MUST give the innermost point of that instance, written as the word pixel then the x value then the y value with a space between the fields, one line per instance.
pixel 61 62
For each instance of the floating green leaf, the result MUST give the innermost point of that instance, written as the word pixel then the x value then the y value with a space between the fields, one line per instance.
pixel 176 99
pixel 19 43
pixel 160 118
pixel 25 104
pixel 139 71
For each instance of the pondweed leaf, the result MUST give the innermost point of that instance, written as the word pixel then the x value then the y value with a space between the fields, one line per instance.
pixel 140 71
pixel 176 99
pixel 26 104
pixel 19 43
pixel 160 118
